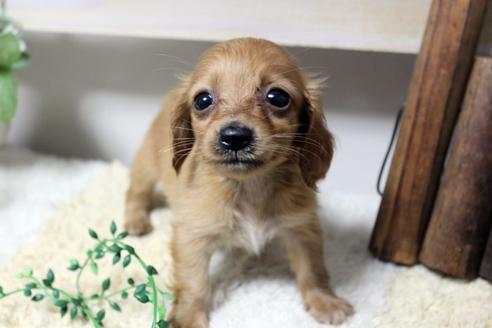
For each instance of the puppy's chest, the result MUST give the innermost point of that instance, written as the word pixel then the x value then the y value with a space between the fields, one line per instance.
pixel 253 224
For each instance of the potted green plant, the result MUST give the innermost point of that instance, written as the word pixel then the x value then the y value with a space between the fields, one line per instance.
pixel 13 55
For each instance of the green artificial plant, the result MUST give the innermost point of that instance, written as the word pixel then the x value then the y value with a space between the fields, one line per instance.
pixel 13 56
pixel 76 303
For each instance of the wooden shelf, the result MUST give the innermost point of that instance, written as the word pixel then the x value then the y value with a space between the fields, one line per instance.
pixel 374 25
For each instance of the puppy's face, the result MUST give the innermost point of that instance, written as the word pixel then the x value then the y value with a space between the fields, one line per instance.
pixel 247 107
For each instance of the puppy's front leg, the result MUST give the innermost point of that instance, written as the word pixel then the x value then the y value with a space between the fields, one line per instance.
pixel 304 245
pixel 191 287
pixel 139 196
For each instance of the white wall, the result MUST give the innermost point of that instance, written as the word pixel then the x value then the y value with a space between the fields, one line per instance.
pixel 89 96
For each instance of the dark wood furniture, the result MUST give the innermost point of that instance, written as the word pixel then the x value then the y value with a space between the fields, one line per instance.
pixel 435 98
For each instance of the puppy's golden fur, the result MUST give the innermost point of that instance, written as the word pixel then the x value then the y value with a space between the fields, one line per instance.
pixel 217 204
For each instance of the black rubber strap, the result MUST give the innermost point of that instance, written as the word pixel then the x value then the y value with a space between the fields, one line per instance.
pixel 392 141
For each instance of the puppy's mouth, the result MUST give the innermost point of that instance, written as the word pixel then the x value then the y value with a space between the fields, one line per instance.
pixel 238 161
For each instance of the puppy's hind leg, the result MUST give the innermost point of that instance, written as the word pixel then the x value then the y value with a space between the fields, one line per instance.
pixel 139 199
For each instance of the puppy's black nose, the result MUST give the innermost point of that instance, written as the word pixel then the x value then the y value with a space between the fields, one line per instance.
pixel 235 137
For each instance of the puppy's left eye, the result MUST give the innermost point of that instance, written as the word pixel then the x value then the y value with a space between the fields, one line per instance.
pixel 203 101
pixel 278 98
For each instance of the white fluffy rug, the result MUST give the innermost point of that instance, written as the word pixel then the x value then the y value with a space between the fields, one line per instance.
pixel 31 186
pixel 383 295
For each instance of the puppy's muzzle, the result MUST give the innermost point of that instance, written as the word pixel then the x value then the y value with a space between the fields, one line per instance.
pixel 235 137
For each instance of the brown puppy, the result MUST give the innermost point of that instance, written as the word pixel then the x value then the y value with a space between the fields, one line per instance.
pixel 237 150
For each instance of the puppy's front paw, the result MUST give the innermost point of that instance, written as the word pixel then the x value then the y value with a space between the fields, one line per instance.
pixel 327 308
pixel 138 226
pixel 192 320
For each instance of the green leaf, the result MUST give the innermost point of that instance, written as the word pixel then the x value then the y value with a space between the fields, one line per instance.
pixel 115 306
pixel 27 292
pixel 31 285
pixel 8 95
pixel 100 315
pixel 127 260
pixel 56 293
pixel 112 227
pixel 162 311
pixel 76 302
pixel 140 289
pixel 50 278
pixel 73 312
pixel 124 294
pixel 151 270
pixel 131 282
pixel 22 61
pixel 114 248
pixel 74 265
pixel 37 297
pixel 142 298
pixel 116 258
pixel 63 311
pixel 162 324
pixel 1 291
pixel 61 303
pixel 93 234
pixel 122 235
pixel 168 296
pixel 130 249
pixel 9 50
pixel 94 296
pixel 106 284
pixel 29 272
pixel 99 255
pixel 94 267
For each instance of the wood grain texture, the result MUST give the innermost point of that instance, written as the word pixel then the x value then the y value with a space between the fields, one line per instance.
pixel 486 266
pixel 460 222
pixel 433 102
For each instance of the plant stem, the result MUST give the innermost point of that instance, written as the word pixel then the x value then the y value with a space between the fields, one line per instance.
pixel 12 292
pixel 90 315
pixel 155 299
pixel 151 283
pixel 44 288
pixel 77 282
pixel 67 295
pixel 116 293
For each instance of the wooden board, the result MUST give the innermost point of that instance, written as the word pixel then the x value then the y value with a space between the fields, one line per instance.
pixel 461 219
pixel 381 25
pixel 374 25
pixel 433 102
pixel 371 25
pixel 486 267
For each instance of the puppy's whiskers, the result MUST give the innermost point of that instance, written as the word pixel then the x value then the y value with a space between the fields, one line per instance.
pixel 178 59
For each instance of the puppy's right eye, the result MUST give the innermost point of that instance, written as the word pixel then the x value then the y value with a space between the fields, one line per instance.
pixel 203 101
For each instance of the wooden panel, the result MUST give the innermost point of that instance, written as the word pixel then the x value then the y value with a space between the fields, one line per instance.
pixel 460 222
pixel 434 99
pixel 376 25
pixel 486 267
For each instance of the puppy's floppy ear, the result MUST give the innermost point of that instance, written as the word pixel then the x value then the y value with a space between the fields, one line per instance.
pixel 316 142
pixel 181 128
